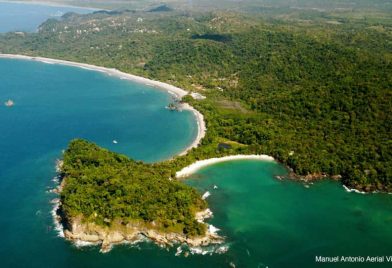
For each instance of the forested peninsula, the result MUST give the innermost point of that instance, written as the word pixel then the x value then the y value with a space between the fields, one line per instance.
pixel 108 198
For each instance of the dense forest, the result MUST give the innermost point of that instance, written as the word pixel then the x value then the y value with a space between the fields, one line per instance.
pixel 311 88
pixel 105 187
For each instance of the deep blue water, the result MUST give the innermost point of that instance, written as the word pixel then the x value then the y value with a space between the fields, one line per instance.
pixel 54 104
pixel 27 17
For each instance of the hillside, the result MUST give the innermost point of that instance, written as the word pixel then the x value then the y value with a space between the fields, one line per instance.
pixel 312 89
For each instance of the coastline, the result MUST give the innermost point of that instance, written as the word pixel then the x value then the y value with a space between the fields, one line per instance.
pixel 176 91
pixel 189 170
pixel 196 166
pixel 86 234
pixel 201 128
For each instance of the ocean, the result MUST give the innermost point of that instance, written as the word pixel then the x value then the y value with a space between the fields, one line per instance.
pixel 266 222
pixel 26 17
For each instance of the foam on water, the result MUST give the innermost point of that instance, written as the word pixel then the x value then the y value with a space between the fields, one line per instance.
pixel 209 250
pixel 80 244
pixel 58 227
pixel 352 190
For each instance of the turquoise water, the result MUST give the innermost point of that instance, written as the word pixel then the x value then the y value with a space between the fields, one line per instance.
pixel 267 222
pixel 285 224
pixel 27 17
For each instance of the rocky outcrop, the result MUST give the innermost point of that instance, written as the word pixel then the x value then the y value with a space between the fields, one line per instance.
pixel 310 176
pixel 77 230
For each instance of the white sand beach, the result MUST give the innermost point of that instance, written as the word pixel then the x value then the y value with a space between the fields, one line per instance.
pixel 201 126
pixel 187 171
pixel 178 92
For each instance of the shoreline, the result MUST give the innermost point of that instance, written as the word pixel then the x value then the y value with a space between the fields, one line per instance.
pixel 87 234
pixel 176 91
pixel 201 128
pixel 194 167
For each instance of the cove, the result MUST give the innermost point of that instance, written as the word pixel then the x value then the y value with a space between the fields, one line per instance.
pixel 276 223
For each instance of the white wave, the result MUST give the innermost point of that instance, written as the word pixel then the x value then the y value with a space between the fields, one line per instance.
pixel 222 249
pixel 172 93
pixel 140 239
pixel 47 62
pixel 58 227
pixel 59 165
pixel 55 201
pixel 199 251
pixel 353 190
pixel 179 251
pixel 81 243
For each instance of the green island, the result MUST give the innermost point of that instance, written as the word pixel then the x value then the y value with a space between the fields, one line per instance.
pixel 311 88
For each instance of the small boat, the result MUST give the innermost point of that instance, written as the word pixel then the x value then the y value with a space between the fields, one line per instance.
pixel 205 195
pixel 9 103
pixel 115 142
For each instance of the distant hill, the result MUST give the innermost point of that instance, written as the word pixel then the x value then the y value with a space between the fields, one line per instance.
pixel 161 8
